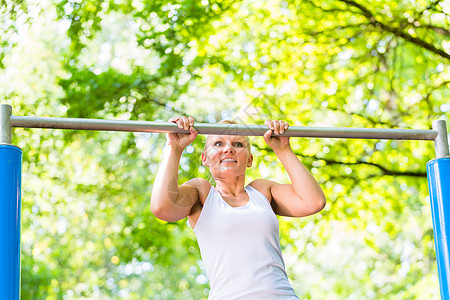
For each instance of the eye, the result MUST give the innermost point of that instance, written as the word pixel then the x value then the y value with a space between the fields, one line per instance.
pixel 218 144
pixel 238 144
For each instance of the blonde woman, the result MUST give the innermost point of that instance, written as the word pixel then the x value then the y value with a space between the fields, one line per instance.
pixel 235 223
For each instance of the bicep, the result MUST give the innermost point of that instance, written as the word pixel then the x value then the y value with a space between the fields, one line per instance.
pixel 187 196
pixel 286 202
pixel 181 203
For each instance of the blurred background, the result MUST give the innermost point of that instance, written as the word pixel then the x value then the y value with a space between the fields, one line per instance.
pixel 87 230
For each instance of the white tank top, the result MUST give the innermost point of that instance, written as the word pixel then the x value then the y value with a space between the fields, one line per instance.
pixel 240 249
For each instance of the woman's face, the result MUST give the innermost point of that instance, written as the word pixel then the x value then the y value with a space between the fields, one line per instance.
pixel 227 155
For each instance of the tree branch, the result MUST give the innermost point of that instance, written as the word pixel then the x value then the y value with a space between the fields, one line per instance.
pixel 438 29
pixel 333 30
pixel 432 5
pixel 383 170
pixel 428 96
pixel 324 9
pixel 398 32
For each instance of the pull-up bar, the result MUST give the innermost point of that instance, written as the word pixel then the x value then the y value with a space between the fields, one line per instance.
pixel 8 122
pixel 438 171
pixel 229 129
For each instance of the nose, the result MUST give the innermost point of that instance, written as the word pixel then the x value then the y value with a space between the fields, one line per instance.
pixel 229 149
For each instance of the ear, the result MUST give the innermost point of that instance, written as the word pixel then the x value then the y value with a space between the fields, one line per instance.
pixel 250 161
pixel 204 159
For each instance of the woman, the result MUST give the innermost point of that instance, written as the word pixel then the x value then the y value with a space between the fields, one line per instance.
pixel 235 224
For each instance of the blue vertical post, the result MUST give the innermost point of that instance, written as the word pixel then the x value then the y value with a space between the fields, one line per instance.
pixel 10 208
pixel 438 172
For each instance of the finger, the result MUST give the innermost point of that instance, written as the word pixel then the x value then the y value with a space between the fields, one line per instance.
pixel 179 122
pixel 174 119
pixel 269 123
pixel 267 135
pixel 276 125
pixel 185 123
pixel 191 121
pixel 281 127
pixel 193 134
pixel 193 131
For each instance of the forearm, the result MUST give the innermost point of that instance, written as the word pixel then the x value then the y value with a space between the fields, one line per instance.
pixel 303 183
pixel 165 186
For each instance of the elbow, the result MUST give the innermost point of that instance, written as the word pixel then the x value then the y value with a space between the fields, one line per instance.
pixel 163 212
pixel 320 200
pixel 316 205
pixel 321 203
pixel 311 207
pixel 158 210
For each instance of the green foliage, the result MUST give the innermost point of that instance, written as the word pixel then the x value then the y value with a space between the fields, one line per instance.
pixel 87 229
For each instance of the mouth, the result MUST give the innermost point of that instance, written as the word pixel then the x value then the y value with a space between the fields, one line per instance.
pixel 228 160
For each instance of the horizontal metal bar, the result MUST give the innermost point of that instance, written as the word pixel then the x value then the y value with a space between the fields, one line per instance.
pixel 216 129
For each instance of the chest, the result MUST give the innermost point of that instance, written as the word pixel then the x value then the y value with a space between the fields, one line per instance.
pixel 239 201
pixel 247 216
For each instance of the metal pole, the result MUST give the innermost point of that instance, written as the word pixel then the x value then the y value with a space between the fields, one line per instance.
pixel 10 209
pixel 438 171
pixel 229 129
pixel 5 124
pixel 441 141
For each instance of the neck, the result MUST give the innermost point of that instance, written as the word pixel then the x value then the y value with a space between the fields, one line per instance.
pixel 231 186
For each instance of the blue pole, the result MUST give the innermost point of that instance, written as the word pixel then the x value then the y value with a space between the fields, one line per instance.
pixel 10 207
pixel 438 173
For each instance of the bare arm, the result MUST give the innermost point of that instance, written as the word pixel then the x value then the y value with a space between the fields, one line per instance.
pixel 303 196
pixel 170 202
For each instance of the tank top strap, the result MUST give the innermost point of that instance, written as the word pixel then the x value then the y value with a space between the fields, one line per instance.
pixel 211 192
pixel 258 196
pixel 215 199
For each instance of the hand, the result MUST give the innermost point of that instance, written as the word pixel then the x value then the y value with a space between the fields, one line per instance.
pixel 276 142
pixel 181 140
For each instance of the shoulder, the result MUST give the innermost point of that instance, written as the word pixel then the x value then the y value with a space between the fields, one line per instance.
pixel 264 186
pixel 202 186
pixel 198 182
